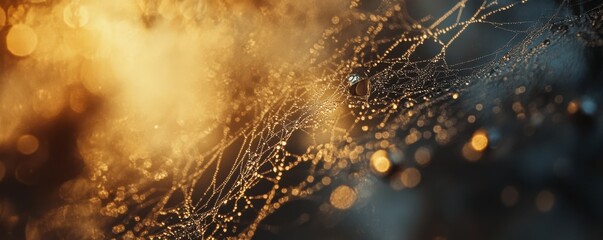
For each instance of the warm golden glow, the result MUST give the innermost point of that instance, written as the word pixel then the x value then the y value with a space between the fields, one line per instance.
pixel 470 153
pixel 21 40
pixel 343 197
pixel 78 100
pixel 509 196
pixel 573 107
pixel 27 144
pixel 2 17
pixel 411 177
pixel 479 141
pixel 545 200
pixel 380 163
pixel 396 181
pixel 75 16
pixel 423 156
pixel 48 103
pixel 326 181
pixel 155 86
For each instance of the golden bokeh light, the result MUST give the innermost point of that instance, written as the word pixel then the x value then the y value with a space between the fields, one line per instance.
pixel 545 200
pixel 343 197
pixel 380 163
pixel 21 40
pixel 78 100
pixel 410 177
pixel 27 144
pixel 326 180
pixel 48 103
pixel 470 153
pixel 509 196
pixel 479 141
pixel 396 181
pixel 423 156
pixel 573 107
pixel 75 16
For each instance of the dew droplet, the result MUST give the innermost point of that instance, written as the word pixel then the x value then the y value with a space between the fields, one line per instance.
pixel 358 85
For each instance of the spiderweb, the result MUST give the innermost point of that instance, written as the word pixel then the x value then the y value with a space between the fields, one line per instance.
pixel 292 129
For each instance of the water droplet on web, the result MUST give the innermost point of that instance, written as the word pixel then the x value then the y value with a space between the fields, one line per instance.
pixel 358 85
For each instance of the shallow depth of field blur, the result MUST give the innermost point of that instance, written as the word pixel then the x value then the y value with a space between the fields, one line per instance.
pixel 317 119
